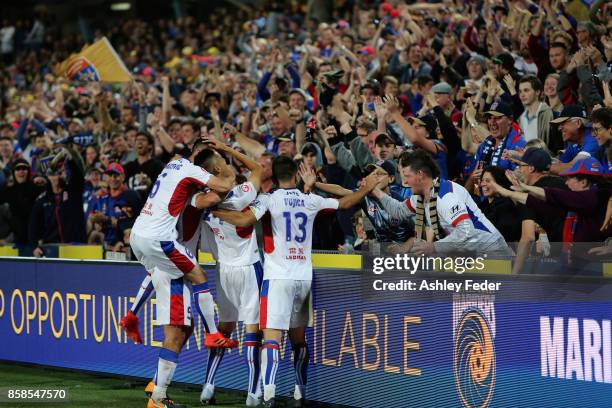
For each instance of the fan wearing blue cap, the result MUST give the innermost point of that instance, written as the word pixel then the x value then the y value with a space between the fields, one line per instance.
pixel 534 168
pixel 585 204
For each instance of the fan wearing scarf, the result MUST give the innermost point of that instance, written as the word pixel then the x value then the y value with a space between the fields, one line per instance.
pixel 505 135
pixel 457 223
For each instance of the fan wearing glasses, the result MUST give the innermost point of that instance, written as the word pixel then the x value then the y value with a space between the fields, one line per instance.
pixel 601 120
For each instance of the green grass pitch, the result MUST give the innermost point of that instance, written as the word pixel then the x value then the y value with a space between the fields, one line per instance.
pixel 97 391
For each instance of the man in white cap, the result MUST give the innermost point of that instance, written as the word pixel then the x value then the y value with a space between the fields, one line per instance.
pixel 578 138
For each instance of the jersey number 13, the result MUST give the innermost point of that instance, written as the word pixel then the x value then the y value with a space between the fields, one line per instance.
pixel 301 220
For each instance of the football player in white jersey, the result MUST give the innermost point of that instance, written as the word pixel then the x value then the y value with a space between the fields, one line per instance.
pixel 238 246
pixel 188 227
pixel 239 272
pixel 457 222
pixel 129 322
pixel 154 241
pixel 285 294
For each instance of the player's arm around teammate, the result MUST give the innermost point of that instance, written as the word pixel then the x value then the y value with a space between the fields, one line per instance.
pixel 254 178
pixel 216 183
pixel 207 200
pixel 348 198
pixel 239 219
pixel 220 185
pixel 239 274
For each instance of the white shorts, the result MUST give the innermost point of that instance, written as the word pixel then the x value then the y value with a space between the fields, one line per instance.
pixel 171 257
pixel 285 304
pixel 173 299
pixel 238 293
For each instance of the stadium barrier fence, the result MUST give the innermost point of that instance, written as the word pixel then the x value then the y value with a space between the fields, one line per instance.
pixel 541 342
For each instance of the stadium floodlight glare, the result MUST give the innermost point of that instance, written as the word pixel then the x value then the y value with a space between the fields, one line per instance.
pixel 123 6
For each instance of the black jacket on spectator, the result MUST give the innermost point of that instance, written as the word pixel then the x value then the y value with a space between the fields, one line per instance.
pixel 336 175
pixel 152 168
pixel 6 231
pixel 452 141
pixel 455 72
pixel 552 219
pixel 58 218
pixel 505 216
pixel 21 199
pixel 327 233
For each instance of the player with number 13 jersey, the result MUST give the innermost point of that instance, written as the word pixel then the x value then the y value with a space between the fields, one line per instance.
pixel 287 216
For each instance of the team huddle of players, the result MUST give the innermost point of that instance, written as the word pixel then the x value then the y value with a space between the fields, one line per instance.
pixel 200 200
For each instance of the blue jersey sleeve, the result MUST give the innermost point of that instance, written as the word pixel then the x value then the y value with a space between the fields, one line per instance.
pixel 479 152
pixel 569 153
pixel 270 145
pixel 590 145
pixel 440 158
pixel 519 143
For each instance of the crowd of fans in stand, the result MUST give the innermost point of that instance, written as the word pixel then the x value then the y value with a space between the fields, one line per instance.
pixel 512 99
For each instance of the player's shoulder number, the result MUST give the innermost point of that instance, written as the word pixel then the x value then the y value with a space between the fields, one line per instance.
pixel 155 188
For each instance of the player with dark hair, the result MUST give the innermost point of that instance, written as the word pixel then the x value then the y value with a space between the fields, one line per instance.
pixel 173 267
pixel 239 273
pixel 129 322
pixel 455 219
pixel 286 289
